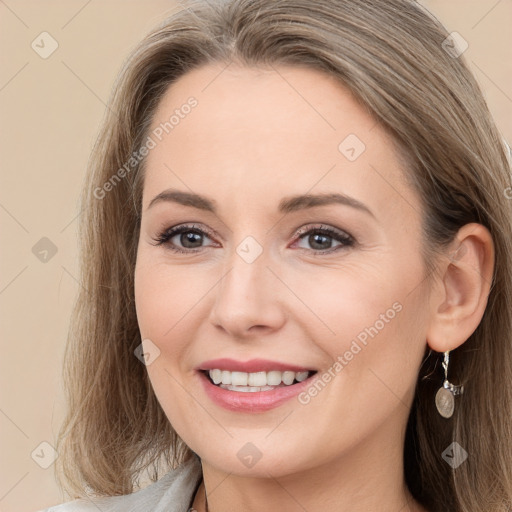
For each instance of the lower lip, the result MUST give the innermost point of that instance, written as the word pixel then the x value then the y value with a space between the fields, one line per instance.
pixel 252 401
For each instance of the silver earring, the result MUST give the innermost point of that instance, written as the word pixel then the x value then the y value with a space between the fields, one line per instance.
pixel 445 401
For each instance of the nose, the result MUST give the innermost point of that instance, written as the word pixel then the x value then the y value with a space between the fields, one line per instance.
pixel 246 302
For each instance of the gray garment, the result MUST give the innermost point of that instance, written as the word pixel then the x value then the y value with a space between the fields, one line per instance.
pixel 174 492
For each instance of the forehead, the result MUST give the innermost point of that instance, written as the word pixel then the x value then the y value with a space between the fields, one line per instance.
pixel 267 132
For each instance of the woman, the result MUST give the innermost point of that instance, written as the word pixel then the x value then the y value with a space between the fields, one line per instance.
pixel 297 271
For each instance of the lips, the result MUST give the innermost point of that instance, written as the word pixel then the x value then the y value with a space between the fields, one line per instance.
pixel 251 366
pixel 252 399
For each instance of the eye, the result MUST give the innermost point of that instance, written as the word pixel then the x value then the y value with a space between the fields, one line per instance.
pixel 190 236
pixel 320 239
pixel 189 239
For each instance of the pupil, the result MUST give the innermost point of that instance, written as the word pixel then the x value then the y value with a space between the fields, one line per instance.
pixel 316 236
pixel 190 237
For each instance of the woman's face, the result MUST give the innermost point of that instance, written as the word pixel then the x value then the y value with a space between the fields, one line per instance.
pixel 255 281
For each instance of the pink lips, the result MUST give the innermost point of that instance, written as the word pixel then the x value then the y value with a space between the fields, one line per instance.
pixel 254 365
pixel 257 401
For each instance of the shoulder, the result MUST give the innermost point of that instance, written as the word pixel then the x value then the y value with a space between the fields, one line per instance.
pixel 172 493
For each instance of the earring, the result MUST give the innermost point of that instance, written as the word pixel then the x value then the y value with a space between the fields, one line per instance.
pixel 445 401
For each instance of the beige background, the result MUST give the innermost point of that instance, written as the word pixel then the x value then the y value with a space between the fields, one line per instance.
pixel 50 112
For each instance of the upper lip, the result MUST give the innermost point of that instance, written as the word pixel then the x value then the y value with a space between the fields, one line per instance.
pixel 251 366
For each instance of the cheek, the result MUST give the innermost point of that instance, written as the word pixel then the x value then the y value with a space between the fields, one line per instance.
pixel 371 317
pixel 164 295
pixel 162 300
pixel 376 345
pixel 343 303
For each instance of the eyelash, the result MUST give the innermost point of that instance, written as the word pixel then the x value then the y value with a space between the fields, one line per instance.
pixel 346 239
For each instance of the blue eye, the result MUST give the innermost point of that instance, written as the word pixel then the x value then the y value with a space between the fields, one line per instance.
pixel 191 238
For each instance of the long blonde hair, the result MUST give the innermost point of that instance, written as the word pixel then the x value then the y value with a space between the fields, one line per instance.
pixel 390 54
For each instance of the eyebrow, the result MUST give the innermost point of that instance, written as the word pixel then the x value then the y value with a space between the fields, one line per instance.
pixel 286 205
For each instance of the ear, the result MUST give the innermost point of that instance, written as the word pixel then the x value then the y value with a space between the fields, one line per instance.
pixel 459 298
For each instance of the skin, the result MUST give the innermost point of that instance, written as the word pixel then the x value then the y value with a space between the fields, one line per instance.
pixel 257 136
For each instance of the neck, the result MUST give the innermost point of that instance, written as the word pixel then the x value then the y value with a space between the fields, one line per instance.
pixel 368 478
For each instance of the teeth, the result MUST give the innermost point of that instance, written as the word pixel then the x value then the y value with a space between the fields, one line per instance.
pixel 246 389
pixel 239 378
pixel 288 377
pixel 300 376
pixel 257 381
pixel 273 378
pixel 216 376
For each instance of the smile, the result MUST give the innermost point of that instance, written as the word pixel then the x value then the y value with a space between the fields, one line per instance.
pixel 249 393
pixel 257 381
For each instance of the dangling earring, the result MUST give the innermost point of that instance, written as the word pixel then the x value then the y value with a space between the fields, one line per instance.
pixel 445 401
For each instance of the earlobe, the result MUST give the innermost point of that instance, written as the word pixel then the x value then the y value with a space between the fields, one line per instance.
pixel 460 297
